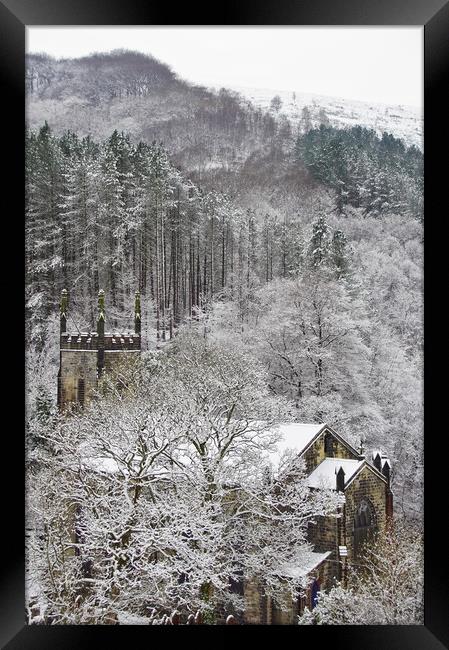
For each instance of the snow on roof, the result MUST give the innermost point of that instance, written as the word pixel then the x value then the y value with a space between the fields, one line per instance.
pixel 325 474
pixel 296 436
pixel 306 563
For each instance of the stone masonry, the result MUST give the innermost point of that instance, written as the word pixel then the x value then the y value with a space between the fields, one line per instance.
pixel 332 535
pixel 85 355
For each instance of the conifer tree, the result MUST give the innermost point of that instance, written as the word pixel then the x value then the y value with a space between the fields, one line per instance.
pixel 339 253
pixel 319 243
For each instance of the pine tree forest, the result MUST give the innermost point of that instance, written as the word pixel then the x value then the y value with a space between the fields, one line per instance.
pixel 279 266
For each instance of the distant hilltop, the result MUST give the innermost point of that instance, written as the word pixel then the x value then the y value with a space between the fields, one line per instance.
pixel 137 94
pixel 202 128
pixel 405 122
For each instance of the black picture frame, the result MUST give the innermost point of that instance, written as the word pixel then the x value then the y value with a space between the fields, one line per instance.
pixel 14 16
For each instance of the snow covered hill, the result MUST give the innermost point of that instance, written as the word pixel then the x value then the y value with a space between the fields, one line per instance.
pixel 405 122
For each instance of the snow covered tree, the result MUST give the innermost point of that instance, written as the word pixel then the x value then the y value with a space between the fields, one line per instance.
pixel 339 253
pixel 156 497
pixel 306 119
pixel 323 117
pixel 386 589
pixel 312 338
pixel 276 104
pixel 363 169
pixel 319 243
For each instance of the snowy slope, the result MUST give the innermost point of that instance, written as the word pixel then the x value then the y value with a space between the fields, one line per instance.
pixel 404 122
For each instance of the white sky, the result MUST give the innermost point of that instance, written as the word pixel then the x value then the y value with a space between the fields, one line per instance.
pixel 377 64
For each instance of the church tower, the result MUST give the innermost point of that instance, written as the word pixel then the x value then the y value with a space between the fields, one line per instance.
pixel 84 356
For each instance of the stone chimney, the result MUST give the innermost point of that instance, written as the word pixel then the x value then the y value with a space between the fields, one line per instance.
pixel 386 471
pixel 340 479
pixel 377 462
pixel 386 468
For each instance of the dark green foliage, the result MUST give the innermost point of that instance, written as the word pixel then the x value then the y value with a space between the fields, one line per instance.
pixel 379 175
pixel 44 186
pixel 339 252
pixel 44 405
pixel 328 251
pixel 319 243
pixel 121 217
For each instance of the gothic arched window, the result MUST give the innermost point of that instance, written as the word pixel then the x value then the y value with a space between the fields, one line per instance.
pixel 81 391
pixel 314 593
pixel 329 445
pixel 365 524
pixel 236 584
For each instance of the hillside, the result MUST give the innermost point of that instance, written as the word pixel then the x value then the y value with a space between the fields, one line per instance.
pixel 135 93
pixel 235 226
pixel 404 122
pixel 200 268
pixel 203 129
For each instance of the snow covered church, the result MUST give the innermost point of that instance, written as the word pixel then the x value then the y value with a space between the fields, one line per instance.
pixel 331 463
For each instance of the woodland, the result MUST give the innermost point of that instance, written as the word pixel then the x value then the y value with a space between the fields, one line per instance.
pixel 280 268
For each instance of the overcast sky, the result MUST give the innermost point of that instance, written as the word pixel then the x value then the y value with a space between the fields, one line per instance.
pixel 377 64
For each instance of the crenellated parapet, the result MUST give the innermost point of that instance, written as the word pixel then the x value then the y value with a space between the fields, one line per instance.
pixel 91 341
pixel 84 356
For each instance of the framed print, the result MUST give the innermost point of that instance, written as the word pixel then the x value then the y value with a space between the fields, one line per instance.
pixel 224 323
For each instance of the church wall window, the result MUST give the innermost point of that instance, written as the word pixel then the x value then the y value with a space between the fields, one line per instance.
pixel 81 391
pixel 314 594
pixel 365 525
pixel 329 445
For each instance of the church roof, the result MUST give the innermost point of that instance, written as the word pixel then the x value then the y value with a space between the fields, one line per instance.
pixel 296 436
pixel 324 476
pixel 306 563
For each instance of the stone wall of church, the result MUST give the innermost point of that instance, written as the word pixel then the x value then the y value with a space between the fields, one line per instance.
pixel 365 486
pixel 328 572
pixel 325 573
pixel 75 365
pixel 315 454
pixel 285 615
pixel 82 364
pixel 326 534
pixel 113 357
pixel 330 532
pixel 255 603
pixel 323 534
pixel 263 610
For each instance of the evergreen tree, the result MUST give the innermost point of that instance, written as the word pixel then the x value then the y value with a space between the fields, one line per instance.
pixel 377 174
pixel 276 104
pixel 306 120
pixel 319 243
pixel 323 117
pixel 339 252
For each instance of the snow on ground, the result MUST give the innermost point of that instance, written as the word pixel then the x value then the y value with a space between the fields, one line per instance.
pixel 405 122
pixel 125 618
